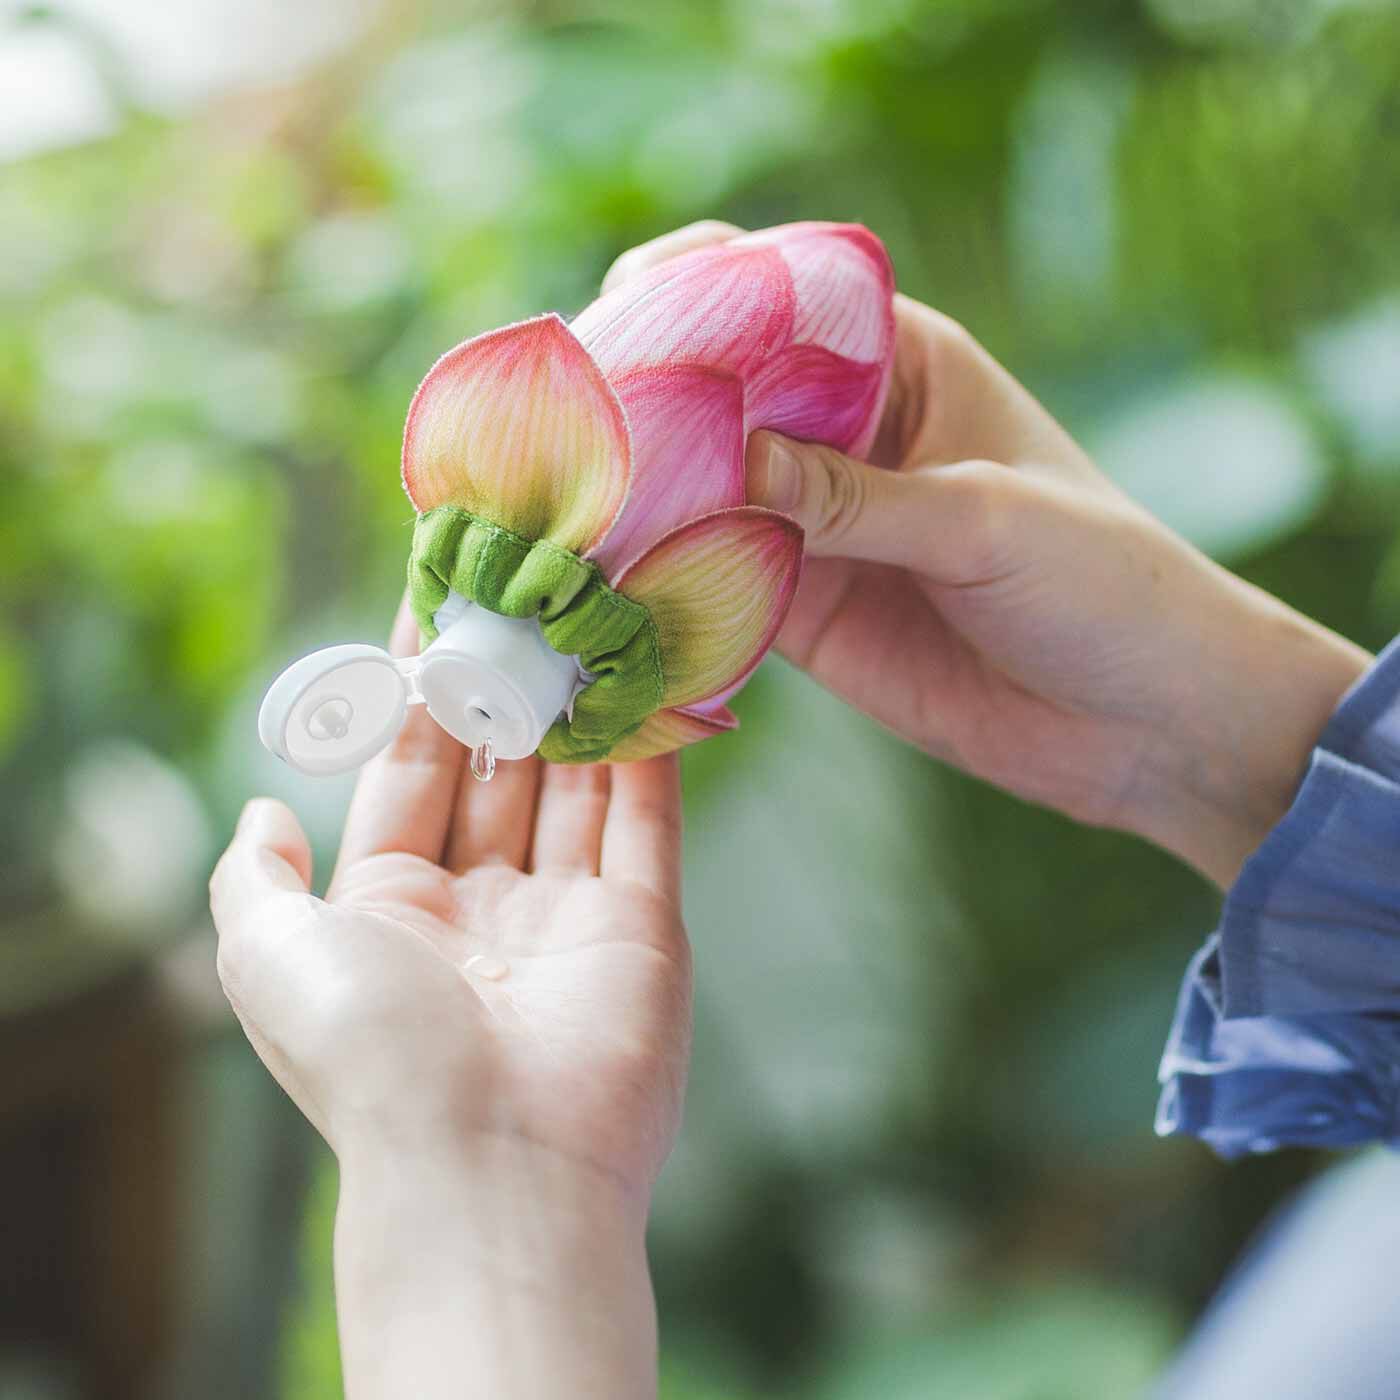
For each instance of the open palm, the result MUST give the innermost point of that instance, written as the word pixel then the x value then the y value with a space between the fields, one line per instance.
pixel 502 959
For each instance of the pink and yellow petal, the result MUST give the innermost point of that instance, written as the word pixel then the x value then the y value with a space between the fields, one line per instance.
pixel 668 730
pixel 520 427
pixel 810 393
pixel 717 590
pixel 719 701
pixel 843 284
pixel 717 307
pixel 687 430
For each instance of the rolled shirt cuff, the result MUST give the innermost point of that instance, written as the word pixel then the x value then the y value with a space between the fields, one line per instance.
pixel 1257 1083
pixel 1287 1028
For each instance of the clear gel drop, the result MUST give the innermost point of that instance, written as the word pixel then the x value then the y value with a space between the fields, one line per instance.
pixel 484 762
pixel 483 965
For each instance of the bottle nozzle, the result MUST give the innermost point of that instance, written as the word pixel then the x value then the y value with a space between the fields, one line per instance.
pixel 492 682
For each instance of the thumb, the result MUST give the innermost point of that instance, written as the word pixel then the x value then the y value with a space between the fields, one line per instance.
pixel 936 520
pixel 269 855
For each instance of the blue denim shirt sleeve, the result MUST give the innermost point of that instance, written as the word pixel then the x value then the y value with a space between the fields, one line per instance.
pixel 1287 1028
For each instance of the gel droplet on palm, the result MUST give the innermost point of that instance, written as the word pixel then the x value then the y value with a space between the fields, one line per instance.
pixel 483 965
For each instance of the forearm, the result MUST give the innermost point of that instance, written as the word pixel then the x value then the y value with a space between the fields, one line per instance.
pixel 1258 695
pixel 500 1271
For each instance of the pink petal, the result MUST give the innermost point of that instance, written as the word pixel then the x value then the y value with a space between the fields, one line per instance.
pixel 718 703
pixel 843 282
pixel 717 307
pixel 668 730
pixel 809 393
pixel 687 428
pixel 519 426
pixel 717 590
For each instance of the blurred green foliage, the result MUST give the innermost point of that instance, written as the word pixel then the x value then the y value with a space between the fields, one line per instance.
pixel 1178 220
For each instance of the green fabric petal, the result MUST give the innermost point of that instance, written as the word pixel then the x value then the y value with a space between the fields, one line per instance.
pixel 613 637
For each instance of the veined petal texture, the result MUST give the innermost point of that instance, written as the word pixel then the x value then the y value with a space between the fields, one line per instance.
pixel 714 307
pixel 687 429
pixel 668 730
pixel 842 284
pixel 717 590
pixel 520 427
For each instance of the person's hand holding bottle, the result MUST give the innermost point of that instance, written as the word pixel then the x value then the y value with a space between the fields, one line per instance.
pixel 988 594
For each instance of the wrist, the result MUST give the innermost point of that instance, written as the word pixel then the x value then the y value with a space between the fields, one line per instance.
pixel 1257 697
pixel 496 1262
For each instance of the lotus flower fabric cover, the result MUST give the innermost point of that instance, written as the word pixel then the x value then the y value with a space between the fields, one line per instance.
pixel 593 474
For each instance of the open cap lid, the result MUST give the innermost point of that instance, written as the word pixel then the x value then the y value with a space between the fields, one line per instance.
pixel 334 709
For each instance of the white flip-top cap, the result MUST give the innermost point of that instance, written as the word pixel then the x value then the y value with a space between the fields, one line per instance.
pixel 332 710
pixel 486 678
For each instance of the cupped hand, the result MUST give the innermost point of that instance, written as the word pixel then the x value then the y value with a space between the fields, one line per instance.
pixel 984 591
pixel 492 961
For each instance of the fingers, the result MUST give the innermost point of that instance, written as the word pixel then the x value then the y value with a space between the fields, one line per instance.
pixel 493 821
pixel 953 523
pixel 569 826
pixel 642 834
pixel 266 920
pixel 268 856
pixel 405 795
pixel 670 245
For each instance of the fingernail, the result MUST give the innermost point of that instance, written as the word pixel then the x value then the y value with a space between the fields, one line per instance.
pixel 250 810
pixel 777 482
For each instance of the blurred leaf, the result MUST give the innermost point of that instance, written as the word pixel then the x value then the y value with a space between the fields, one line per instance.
pixel 682 1379
pixel 349 261
pixel 15 692
pixel 1063 216
pixel 133 848
pixel 50 93
pixel 1224 459
pixel 1243 23
pixel 442 118
pixel 1252 189
pixel 1065 1341
pixel 1354 364
pixel 311 1346
pixel 1079 1081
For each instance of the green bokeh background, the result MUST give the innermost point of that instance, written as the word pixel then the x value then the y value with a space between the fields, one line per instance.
pixel 918 1156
